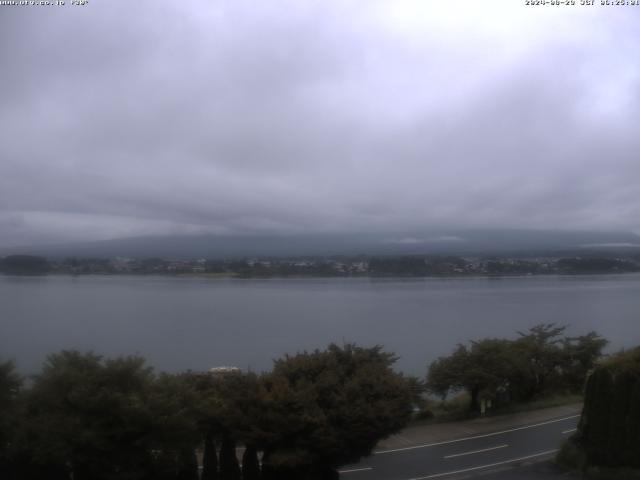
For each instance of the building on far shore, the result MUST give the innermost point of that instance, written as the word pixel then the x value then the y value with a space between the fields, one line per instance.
pixel 224 369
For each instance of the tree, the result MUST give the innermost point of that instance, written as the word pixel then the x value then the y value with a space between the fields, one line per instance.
pixel 483 369
pixel 229 466
pixel 608 434
pixel 209 458
pixel 24 264
pixel 228 405
pixel 327 408
pixel 174 430
pixel 538 362
pixel 407 265
pixel 187 464
pixel 446 374
pixel 581 354
pixel 250 464
pixel 541 357
pixel 90 417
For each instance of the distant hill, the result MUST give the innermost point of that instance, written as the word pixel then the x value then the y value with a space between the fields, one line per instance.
pixel 520 242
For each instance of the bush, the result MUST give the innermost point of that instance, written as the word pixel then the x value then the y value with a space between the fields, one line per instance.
pixel 609 429
pixel 423 415
pixel 607 443
pixel 571 456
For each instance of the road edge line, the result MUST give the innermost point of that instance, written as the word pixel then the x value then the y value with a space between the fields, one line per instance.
pixel 485 435
pixel 436 475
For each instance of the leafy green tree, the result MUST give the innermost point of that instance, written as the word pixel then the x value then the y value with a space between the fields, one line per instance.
pixel 327 408
pixel 418 388
pixel 538 362
pixel 581 354
pixel 483 369
pixel 89 415
pixel 446 374
pixel 541 357
pixel 97 418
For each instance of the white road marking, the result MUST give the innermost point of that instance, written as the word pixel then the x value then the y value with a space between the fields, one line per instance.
pixel 380 452
pixel 436 475
pixel 569 431
pixel 355 470
pixel 476 451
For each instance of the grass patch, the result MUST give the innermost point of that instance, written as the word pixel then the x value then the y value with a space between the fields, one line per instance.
pixel 605 473
pixel 457 408
pixel 454 409
pixel 548 401
pixel 573 459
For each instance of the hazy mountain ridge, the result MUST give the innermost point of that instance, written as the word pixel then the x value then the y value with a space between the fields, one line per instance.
pixel 520 242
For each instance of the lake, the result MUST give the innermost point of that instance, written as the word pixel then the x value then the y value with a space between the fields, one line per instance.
pixel 197 323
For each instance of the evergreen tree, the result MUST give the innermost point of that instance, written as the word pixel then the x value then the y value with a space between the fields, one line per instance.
pixel 250 464
pixel 187 465
pixel 229 467
pixel 209 459
pixel 609 429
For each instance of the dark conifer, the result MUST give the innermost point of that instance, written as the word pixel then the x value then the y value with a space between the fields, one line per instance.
pixel 210 459
pixel 187 465
pixel 229 467
pixel 250 464
pixel 609 430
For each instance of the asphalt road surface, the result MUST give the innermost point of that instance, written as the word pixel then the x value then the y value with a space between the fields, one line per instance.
pixel 466 457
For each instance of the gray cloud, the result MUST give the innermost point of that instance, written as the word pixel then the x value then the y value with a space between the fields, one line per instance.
pixel 122 119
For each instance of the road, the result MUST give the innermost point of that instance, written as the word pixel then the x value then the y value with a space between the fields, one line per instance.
pixel 467 456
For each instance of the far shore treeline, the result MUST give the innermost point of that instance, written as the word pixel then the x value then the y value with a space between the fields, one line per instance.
pixel 337 266
pixel 84 416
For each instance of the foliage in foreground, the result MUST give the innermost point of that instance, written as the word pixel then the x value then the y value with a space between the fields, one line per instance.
pixel 94 418
pixel 539 362
pixel 338 404
pixel 608 434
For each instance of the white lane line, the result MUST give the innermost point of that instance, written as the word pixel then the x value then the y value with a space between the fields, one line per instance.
pixel 476 451
pixel 436 475
pixel 355 470
pixel 569 431
pixel 380 452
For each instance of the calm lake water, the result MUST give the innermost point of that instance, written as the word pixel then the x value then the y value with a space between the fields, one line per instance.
pixel 196 323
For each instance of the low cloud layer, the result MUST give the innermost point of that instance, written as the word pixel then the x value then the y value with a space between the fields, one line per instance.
pixel 128 118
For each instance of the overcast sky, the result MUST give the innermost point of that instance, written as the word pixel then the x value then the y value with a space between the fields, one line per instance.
pixel 126 118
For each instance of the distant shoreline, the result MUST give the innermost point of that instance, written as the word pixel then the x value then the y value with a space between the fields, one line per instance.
pixel 327 267
pixel 231 275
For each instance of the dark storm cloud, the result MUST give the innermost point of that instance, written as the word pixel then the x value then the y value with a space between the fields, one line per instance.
pixel 131 118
